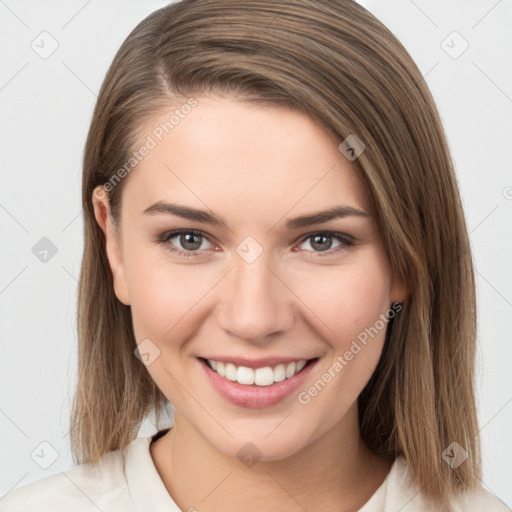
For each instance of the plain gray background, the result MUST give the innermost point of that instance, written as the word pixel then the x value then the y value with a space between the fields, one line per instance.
pixel 46 105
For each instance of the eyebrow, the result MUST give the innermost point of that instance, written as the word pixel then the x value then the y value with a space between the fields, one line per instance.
pixel 195 214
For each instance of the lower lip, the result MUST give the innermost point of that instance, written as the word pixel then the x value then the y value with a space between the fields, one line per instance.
pixel 256 397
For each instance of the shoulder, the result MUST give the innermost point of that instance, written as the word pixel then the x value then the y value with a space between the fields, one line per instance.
pixel 400 493
pixel 479 501
pixel 100 485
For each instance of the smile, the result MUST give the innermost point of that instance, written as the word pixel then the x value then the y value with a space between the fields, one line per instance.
pixel 265 376
pixel 263 386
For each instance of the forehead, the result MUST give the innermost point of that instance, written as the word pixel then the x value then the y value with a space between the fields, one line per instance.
pixel 228 152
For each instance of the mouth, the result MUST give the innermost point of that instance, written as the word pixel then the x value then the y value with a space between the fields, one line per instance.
pixel 262 376
pixel 258 387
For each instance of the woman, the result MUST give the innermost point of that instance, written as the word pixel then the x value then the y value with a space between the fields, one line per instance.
pixel 275 245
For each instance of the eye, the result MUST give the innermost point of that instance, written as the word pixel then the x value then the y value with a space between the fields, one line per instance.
pixel 190 243
pixel 322 242
pixel 186 243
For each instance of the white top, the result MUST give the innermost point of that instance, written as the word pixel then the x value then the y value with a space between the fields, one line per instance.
pixel 127 481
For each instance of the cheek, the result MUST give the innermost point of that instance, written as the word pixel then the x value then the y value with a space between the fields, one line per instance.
pixel 350 304
pixel 346 299
pixel 167 308
pixel 165 296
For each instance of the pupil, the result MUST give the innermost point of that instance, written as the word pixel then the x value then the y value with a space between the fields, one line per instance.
pixel 322 242
pixel 190 241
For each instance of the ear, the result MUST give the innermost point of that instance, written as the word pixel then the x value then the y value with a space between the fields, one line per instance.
pixel 112 243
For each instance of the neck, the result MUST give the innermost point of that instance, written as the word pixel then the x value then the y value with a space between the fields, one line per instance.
pixel 334 472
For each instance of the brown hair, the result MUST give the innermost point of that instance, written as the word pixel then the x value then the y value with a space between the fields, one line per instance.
pixel 335 62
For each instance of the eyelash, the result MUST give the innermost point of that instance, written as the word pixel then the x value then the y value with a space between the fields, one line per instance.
pixel 346 242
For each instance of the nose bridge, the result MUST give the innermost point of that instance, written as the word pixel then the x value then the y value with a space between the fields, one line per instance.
pixel 255 304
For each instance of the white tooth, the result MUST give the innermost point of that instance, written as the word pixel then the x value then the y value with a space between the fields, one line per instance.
pixel 264 376
pixel 230 371
pixel 290 370
pixel 245 375
pixel 279 373
pixel 220 369
pixel 300 365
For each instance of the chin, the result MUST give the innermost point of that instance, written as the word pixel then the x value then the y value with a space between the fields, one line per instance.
pixel 261 444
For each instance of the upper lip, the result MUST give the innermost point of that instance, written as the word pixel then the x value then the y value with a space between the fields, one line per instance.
pixel 257 363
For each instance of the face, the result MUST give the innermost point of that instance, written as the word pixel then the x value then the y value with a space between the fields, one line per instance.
pixel 255 282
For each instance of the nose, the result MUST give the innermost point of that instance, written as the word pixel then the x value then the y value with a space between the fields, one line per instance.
pixel 255 304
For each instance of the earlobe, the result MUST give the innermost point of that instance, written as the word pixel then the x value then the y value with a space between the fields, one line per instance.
pixel 112 243
pixel 399 291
